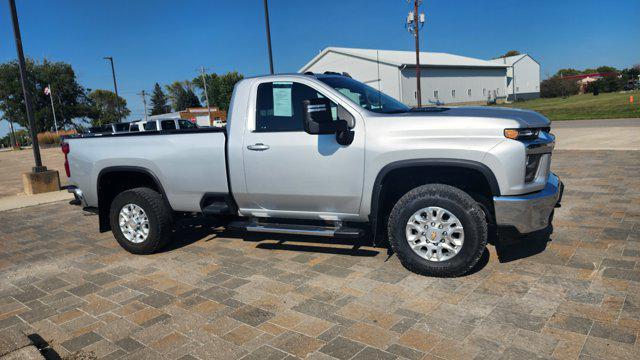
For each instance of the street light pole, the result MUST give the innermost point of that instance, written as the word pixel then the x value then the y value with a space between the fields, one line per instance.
pixel 266 17
pixel 115 84
pixel 25 89
pixel 113 73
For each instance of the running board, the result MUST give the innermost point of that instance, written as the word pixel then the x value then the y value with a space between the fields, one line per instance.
pixel 216 208
pixel 296 229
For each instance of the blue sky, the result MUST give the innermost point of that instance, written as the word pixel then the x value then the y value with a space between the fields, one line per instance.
pixel 165 41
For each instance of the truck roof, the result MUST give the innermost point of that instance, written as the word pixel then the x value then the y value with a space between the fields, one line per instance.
pixel 301 75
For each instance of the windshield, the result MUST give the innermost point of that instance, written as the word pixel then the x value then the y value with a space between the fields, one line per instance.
pixel 364 95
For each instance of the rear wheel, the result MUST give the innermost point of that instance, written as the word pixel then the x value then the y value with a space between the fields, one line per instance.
pixel 438 230
pixel 140 220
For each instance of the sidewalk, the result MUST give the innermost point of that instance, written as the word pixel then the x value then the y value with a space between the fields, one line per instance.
pixel 22 200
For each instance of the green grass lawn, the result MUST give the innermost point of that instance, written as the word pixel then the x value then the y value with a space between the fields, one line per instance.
pixel 587 106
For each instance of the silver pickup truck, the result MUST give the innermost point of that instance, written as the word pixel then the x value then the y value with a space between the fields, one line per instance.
pixel 325 155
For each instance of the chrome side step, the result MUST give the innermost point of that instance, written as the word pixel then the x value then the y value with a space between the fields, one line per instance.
pixel 297 229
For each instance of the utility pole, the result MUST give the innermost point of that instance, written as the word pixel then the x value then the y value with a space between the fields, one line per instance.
pixel 49 92
pixel 115 84
pixel 144 102
pixel 206 94
pixel 25 90
pixel 266 17
pixel 415 21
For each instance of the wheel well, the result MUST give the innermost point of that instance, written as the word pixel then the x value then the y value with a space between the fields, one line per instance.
pixel 397 182
pixel 113 182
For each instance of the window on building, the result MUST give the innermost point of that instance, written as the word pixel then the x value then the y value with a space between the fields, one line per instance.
pixel 484 92
pixel 517 88
pixel 435 94
pixel 453 93
pixel 168 125
pixel 469 92
pixel 280 106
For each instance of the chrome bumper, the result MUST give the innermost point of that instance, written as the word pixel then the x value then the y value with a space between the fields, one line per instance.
pixel 530 212
pixel 78 196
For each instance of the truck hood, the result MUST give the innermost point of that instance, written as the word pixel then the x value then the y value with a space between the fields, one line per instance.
pixel 525 118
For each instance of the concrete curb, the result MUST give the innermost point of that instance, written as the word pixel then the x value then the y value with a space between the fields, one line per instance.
pixel 22 201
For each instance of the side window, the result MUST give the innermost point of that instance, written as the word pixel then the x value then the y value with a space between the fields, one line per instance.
pixel 150 126
pixel 279 106
pixel 168 125
pixel 134 127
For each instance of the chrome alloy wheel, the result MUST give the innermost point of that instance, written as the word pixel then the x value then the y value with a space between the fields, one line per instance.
pixel 134 223
pixel 435 234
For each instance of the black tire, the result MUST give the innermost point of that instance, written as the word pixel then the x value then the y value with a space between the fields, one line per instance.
pixel 459 204
pixel 158 213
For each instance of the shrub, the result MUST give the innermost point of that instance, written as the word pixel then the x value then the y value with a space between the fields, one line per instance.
pixel 48 137
pixel 557 86
pixel 606 84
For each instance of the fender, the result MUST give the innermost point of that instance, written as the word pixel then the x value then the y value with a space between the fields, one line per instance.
pixel 103 209
pixel 459 163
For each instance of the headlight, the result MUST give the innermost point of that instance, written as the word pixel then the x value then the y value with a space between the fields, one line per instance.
pixel 531 169
pixel 521 134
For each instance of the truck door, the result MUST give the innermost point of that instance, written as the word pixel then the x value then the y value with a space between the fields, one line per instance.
pixel 290 173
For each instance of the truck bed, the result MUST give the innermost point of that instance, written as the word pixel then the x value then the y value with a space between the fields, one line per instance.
pixel 189 163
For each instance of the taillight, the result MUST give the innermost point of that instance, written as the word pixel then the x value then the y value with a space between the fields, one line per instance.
pixel 65 150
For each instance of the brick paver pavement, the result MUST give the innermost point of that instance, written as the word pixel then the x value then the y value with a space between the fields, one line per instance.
pixel 220 295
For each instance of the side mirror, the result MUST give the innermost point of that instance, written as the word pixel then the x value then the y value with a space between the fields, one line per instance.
pixel 317 116
pixel 344 134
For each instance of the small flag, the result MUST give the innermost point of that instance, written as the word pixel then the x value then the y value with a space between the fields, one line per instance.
pixel 47 91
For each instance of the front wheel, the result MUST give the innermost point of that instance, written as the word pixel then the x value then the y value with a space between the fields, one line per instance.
pixel 140 220
pixel 437 230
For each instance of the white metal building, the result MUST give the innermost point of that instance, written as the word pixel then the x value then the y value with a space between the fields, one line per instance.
pixel 523 76
pixel 445 78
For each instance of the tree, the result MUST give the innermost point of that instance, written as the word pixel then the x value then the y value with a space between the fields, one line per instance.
pixel 22 138
pixel 182 96
pixel 631 74
pixel 219 88
pixel 70 98
pixel 557 86
pixel 510 53
pixel 159 101
pixel 606 69
pixel 107 107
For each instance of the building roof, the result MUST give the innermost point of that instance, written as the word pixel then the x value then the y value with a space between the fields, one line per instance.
pixel 591 75
pixel 510 60
pixel 400 58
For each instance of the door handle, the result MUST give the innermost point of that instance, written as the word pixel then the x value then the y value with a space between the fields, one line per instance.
pixel 258 147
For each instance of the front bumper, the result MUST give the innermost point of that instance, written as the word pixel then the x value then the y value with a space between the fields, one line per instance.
pixel 530 212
